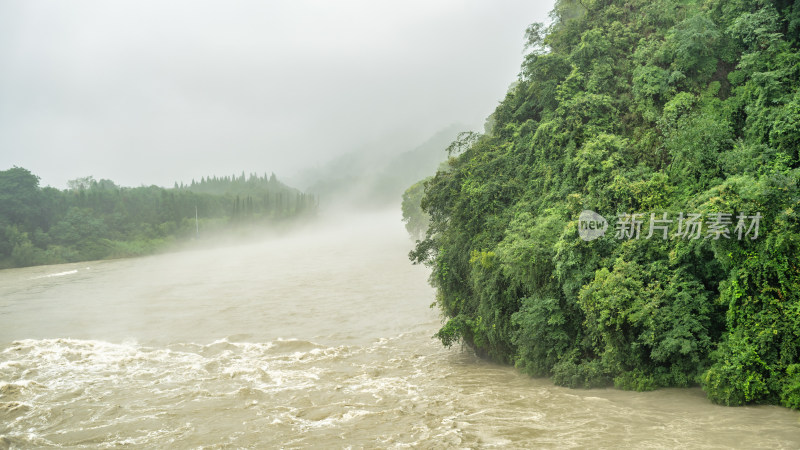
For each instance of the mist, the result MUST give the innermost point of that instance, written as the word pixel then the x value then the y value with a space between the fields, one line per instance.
pixel 256 285
pixel 269 224
pixel 145 92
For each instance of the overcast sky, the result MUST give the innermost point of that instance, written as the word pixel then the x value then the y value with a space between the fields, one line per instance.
pixel 151 92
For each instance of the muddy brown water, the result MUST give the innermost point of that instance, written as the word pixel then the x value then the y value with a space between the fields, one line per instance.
pixel 318 338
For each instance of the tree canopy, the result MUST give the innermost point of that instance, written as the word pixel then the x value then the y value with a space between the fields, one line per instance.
pixel 683 116
pixel 98 219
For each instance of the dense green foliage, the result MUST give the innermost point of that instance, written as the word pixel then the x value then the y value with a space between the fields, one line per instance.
pixel 98 219
pixel 629 107
pixel 414 217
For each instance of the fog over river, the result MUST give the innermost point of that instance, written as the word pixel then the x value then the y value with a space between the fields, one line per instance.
pixel 316 338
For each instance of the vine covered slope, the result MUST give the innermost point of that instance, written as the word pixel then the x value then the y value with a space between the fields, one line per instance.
pixel 647 113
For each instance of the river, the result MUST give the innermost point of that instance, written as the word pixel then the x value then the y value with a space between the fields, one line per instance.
pixel 316 338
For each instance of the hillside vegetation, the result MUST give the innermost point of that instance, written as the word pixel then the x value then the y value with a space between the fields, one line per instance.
pixel 634 109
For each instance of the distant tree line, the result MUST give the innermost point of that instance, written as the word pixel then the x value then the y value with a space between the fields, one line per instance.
pixel 96 219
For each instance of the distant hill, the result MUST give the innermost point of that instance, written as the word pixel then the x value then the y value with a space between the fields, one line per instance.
pixel 372 178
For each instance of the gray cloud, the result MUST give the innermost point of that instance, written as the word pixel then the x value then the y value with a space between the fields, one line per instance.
pixel 152 92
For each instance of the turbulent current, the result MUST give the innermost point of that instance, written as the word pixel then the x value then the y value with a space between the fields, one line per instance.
pixel 318 338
